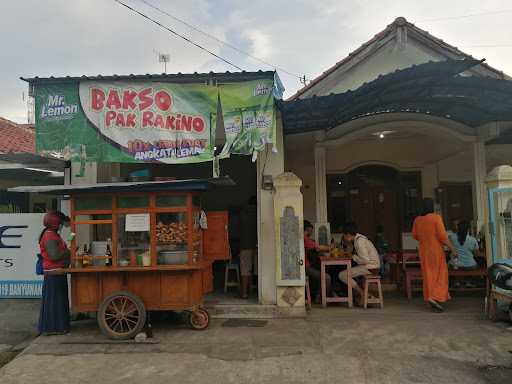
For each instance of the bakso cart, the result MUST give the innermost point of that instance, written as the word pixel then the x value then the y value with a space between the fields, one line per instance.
pixel 138 248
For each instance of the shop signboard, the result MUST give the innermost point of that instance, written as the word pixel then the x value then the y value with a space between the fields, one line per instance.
pixel 143 121
pixel 19 234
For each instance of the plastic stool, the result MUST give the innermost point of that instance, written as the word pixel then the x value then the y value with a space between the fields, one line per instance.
pixel 227 283
pixel 372 279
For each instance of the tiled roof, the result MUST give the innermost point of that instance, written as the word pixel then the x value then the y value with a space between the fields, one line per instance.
pixel 399 22
pixel 16 137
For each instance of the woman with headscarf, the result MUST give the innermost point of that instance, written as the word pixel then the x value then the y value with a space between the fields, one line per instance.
pixel 429 231
pixel 54 313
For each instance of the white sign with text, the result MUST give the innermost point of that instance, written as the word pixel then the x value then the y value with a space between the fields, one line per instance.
pixel 137 222
pixel 19 234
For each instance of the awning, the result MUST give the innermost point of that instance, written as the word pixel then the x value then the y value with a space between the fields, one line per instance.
pixel 22 160
pixel 146 186
pixel 434 88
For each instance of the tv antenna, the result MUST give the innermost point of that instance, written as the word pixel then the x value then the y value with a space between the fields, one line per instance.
pixel 163 58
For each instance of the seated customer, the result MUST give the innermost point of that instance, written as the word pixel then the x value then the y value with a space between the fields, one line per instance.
pixel 365 256
pixel 466 246
pixel 312 249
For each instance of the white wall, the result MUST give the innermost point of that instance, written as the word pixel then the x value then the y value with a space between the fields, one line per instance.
pixel 269 163
pixel 386 60
pixel 498 154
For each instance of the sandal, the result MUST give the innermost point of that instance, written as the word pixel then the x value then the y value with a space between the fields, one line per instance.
pixel 435 305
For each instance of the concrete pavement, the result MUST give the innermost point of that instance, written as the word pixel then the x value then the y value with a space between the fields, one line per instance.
pixel 404 343
pixel 18 322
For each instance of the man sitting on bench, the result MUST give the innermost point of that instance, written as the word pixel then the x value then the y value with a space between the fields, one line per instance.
pixel 365 256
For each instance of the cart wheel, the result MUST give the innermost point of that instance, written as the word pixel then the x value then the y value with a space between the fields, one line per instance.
pixel 199 319
pixel 121 316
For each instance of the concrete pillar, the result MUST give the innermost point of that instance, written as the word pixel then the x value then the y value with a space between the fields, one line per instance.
pixel 320 185
pixel 497 246
pixel 289 244
pixel 271 164
pixel 479 191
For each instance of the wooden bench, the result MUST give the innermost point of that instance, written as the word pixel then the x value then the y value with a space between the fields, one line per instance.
pixel 412 272
pixel 461 273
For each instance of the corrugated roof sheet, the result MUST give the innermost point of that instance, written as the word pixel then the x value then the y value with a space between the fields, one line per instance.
pixel 143 186
pixel 432 88
pixel 163 77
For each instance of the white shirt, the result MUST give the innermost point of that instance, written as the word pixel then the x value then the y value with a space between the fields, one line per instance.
pixel 366 253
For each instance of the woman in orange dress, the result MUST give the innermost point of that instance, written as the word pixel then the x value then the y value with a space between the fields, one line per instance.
pixel 430 232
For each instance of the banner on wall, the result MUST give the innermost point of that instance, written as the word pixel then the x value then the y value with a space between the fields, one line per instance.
pixel 249 116
pixel 152 121
pixel 19 235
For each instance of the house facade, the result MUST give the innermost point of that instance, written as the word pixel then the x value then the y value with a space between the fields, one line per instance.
pixel 375 169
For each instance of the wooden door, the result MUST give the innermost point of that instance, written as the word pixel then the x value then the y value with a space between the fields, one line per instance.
pixel 371 206
pixel 361 209
pixel 215 238
pixel 387 215
pixel 457 202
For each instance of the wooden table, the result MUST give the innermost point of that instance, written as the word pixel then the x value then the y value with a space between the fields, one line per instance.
pixel 326 261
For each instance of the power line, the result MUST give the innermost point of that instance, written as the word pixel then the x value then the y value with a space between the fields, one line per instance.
pixel 468 15
pixel 487 46
pixel 235 48
pixel 177 34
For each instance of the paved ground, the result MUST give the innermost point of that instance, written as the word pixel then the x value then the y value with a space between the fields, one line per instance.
pixel 404 343
pixel 18 322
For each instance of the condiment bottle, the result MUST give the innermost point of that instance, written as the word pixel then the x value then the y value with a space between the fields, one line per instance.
pixel 108 253
pixel 85 256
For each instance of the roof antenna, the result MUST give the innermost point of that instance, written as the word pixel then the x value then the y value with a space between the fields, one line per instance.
pixel 303 80
pixel 163 58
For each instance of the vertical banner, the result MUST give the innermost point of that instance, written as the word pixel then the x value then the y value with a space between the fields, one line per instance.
pixel 19 245
pixel 248 111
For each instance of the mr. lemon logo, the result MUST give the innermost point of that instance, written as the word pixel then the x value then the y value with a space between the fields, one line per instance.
pixel 56 108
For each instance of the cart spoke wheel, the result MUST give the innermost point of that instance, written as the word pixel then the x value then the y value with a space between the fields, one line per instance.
pixel 121 315
pixel 199 319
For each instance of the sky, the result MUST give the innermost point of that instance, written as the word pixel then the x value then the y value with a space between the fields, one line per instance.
pixel 90 37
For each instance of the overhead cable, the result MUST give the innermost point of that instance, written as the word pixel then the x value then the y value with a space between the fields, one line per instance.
pixel 468 15
pixel 223 42
pixel 177 34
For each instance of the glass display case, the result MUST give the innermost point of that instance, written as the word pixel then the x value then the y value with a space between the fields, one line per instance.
pixel 136 230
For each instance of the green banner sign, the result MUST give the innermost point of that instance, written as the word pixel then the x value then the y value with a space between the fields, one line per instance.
pixel 249 116
pixel 152 122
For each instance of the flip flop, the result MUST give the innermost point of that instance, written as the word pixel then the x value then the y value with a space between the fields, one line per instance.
pixel 435 305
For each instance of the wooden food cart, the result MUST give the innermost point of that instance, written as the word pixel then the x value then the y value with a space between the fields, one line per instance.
pixel 138 247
